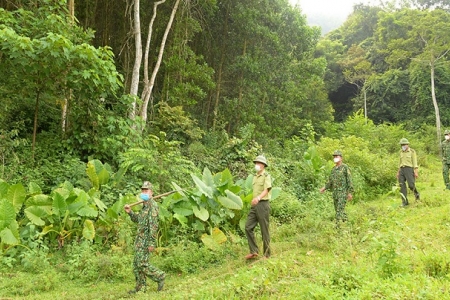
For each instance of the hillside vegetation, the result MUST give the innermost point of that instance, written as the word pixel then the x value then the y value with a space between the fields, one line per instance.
pixel 383 252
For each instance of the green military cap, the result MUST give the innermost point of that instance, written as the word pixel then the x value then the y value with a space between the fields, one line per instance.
pixel 261 159
pixel 337 153
pixel 404 141
pixel 446 132
pixel 146 185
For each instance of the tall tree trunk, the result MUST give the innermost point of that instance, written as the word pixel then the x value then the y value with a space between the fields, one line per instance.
pixel 149 85
pixel 436 108
pixel 146 92
pixel 65 104
pixel 220 73
pixel 134 87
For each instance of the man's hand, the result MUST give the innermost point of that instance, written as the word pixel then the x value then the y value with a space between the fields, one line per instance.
pixel 127 208
pixel 322 190
pixel 416 173
pixel 398 174
pixel 255 201
pixel 349 197
pixel 151 249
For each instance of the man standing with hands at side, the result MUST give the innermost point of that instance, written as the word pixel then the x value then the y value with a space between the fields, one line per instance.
pixel 446 158
pixel 145 242
pixel 408 171
pixel 340 182
pixel 260 210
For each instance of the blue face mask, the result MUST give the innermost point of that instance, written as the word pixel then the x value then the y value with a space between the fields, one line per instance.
pixel 145 197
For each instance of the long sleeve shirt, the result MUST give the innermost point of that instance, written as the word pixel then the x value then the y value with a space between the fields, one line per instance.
pixel 147 225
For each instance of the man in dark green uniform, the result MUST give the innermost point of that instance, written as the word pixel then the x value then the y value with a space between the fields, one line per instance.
pixel 408 171
pixel 145 242
pixel 260 210
pixel 446 158
pixel 340 182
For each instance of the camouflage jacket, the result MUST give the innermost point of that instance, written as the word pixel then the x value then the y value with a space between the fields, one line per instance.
pixel 446 151
pixel 340 180
pixel 147 225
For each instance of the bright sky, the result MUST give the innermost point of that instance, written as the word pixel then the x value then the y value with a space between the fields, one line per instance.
pixel 328 7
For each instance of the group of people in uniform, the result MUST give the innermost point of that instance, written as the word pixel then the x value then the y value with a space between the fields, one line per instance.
pixel 339 182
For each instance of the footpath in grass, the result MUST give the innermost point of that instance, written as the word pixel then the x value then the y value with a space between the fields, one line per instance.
pixel 383 252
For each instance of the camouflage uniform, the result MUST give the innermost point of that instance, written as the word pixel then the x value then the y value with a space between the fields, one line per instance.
pixel 147 229
pixel 340 182
pixel 446 161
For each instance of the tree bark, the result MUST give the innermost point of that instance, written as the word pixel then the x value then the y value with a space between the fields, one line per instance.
pixel 134 87
pixel 149 86
pixel 146 92
pixel 436 108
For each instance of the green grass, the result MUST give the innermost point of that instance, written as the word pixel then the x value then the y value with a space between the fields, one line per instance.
pixel 383 252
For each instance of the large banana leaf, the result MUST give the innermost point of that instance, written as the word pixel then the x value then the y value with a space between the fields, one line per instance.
pixel 275 193
pixel 59 204
pixel 4 186
pixel 103 177
pixel 16 195
pixel 7 213
pixel 183 211
pixel 101 206
pixel 92 174
pixel 35 215
pixel 201 213
pixel 202 187
pixel 214 240
pixel 10 235
pixel 208 178
pixel 87 211
pixel 182 219
pixel 231 201
pixel 89 230
pixel 34 188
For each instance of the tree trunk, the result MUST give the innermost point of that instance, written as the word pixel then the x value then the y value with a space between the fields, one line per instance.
pixel 149 86
pixel 436 108
pixel 134 87
pixel 146 92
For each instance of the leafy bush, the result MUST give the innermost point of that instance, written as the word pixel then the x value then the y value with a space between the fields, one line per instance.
pixel 190 257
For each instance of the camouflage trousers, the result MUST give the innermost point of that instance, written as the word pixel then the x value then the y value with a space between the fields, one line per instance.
pixel 445 173
pixel 143 269
pixel 340 200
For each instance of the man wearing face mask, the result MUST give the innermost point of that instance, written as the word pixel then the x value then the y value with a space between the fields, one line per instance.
pixel 408 171
pixel 260 210
pixel 446 158
pixel 340 182
pixel 145 242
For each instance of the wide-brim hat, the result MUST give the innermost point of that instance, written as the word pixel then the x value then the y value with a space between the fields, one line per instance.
pixel 261 159
pixel 146 185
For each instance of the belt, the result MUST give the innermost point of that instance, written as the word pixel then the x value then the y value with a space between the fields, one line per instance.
pixel 405 167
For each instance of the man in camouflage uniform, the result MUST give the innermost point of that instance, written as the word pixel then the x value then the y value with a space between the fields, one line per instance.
pixel 145 242
pixel 408 171
pixel 446 158
pixel 340 182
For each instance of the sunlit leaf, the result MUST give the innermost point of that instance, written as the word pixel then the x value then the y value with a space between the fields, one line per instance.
pixel 59 205
pixel 201 213
pixel 232 201
pixel 10 235
pixel 183 211
pixel 35 215
pixel 182 219
pixel 275 193
pixel 101 206
pixel 203 188
pixel 87 211
pixel 34 188
pixel 89 230
pixel 7 213
pixel 214 240
pixel 208 178
pixel 16 195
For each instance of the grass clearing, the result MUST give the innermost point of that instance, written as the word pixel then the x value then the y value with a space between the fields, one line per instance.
pixel 383 252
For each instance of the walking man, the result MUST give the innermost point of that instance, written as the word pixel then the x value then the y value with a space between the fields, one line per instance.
pixel 446 158
pixel 145 242
pixel 260 210
pixel 340 182
pixel 408 171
